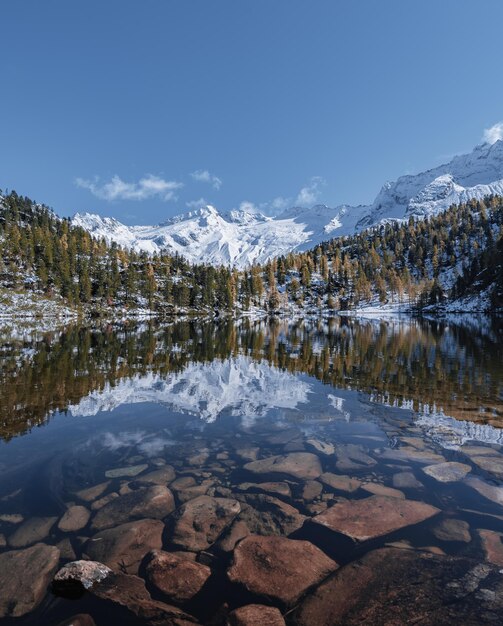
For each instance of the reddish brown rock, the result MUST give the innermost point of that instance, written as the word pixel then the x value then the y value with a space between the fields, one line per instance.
pixel 32 531
pixel 491 464
pixel 374 517
pixel 452 530
pixel 239 530
pixel 176 578
pixel 394 587
pixel 447 472
pixel 154 502
pixel 161 476
pixel 199 522
pixel 122 548
pixel 406 480
pixel 266 515
pixel 311 490
pixel 24 578
pixel 491 492
pixel 492 545
pixel 340 482
pixel 91 493
pixel 274 488
pixel 130 593
pixel 382 490
pixel 300 465
pixel 75 518
pixel 256 615
pixel 277 568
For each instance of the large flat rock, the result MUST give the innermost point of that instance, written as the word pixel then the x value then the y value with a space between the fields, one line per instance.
pixel 200 521
pixel 175 577
pixel 393 587
pixel 374 517
pixel 154 502
pixel 279 569
pixel 31 531
pixel 24 578
pixel 448 472
pixel 130 593
pixel 122 548
pixel 300 465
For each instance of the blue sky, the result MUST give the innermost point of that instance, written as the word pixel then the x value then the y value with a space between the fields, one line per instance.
pixel 139 110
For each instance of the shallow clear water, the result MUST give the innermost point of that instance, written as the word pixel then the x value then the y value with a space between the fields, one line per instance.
pixel 376 402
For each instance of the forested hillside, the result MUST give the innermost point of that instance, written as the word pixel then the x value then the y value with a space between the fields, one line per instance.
pixel 447 258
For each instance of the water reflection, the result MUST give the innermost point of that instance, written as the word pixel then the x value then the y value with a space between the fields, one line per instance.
pixel 249 368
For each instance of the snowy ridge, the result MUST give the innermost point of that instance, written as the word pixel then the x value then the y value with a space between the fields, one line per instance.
pixel 242 238
pixel 237 385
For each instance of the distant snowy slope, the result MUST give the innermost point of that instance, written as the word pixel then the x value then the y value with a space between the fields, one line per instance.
pixel 241 238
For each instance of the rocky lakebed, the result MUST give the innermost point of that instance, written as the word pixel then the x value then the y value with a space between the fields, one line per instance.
pixel 236 490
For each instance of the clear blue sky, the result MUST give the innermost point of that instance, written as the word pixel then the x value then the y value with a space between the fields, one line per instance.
pixel 136 109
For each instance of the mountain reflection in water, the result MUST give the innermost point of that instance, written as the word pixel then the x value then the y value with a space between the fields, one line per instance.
pixel 435 369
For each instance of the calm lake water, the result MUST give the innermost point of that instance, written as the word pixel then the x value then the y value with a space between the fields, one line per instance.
pixel 379 408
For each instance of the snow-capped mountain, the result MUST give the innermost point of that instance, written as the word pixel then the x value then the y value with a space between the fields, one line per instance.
pixel 241 238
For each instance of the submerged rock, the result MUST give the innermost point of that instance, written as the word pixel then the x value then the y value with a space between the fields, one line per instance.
pixel 340 482
pixel 300 465
pixel 24 578
pixel 161 476
pixel 408 454
pixel 394 587
pixel 154 502
pixel 447 472
pixel 373 517
pixel 129 470
pixel 176 578
pixel 75 518
pixel 491 464
pixel 267 515
pixel 352 457
pixel 492 545
pixel 129 592
pixel 199 522
pixel 11 518
pixel 311 490
pixel 256 615
pixel 276 488
pixel 381 490
pixel 406 480
pixel 321 446
pixel 492 493
pixel 100 503
pixel 89 494
pixel 31 531
pixel 122 548
pixel 79 576
pixel 239 530
pixel 452 530
pixel 277 568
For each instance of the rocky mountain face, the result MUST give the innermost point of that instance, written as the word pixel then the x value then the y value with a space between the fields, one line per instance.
pixel 241 238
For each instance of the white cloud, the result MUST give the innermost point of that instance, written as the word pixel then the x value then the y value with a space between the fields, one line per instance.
pixel 203 176
pixel 310 193
pixel 249 207
pixel 149 186
pixel 196 204
pixel 493 134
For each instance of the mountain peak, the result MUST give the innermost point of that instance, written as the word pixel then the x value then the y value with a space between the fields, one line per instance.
pixel 241 238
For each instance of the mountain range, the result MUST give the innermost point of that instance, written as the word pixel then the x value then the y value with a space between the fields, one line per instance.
pixel 241 238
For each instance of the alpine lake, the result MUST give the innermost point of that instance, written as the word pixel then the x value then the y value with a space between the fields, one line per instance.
pixel 317 473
